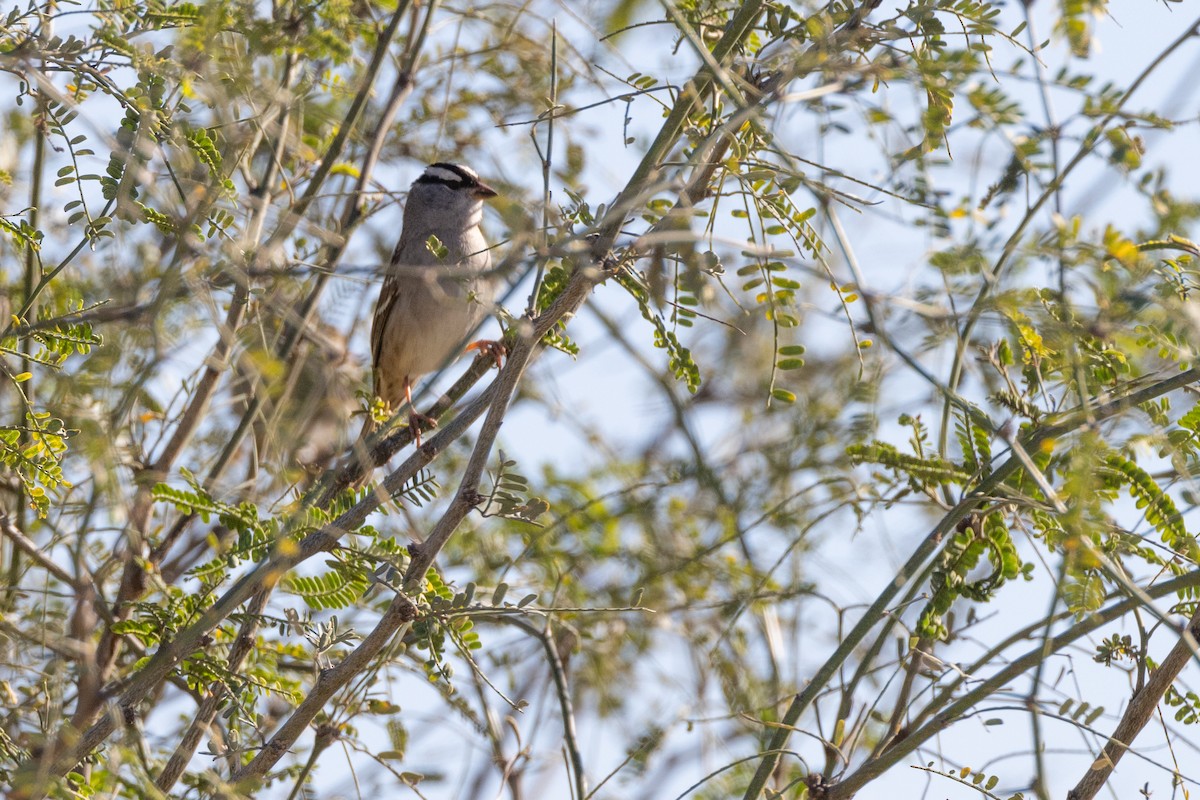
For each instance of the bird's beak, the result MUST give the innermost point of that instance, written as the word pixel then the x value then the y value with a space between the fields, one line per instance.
pixel 483 191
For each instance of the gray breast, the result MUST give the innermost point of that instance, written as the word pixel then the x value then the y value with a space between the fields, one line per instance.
pixel 435 308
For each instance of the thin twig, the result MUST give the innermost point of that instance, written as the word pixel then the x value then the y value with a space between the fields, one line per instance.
pixel 563 691
pixel 29 547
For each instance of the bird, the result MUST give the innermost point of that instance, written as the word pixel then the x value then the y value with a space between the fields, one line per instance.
pixel 437 287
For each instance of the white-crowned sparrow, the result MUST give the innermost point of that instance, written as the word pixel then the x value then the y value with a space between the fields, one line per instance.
pixel 436 289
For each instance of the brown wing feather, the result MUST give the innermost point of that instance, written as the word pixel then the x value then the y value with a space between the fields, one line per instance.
pixel 383 309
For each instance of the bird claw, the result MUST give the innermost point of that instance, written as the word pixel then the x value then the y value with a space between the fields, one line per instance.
pixel 417 422
pixel 491 347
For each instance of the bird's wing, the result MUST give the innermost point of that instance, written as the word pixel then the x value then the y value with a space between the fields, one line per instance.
pixel 388 294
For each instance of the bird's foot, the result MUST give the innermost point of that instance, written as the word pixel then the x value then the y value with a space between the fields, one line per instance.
pixel 491 347
pixel 418 422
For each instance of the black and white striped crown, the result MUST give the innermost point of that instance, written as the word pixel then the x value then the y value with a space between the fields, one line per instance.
pixel 456 176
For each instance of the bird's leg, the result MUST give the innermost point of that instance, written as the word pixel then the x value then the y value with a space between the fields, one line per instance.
pixel 416 420
pixel 491 347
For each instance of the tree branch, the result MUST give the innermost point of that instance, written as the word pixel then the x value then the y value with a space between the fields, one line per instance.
pixel 423 554
pixel 1139 711
pixel 852 784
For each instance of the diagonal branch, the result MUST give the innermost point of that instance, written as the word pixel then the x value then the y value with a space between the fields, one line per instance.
pixel 929 547
pixel 963 704
pixel 496 400
pixel 498 397
pixel 1140 709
